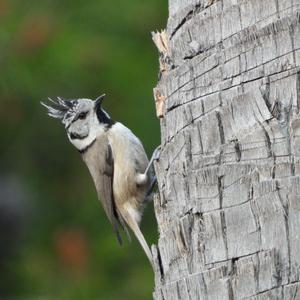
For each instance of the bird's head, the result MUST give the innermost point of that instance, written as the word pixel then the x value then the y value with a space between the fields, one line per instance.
pixel 84 119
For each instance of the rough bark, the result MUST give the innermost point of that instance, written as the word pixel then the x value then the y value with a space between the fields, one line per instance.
pixel 228 96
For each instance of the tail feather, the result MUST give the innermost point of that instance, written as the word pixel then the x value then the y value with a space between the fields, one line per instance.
pixel 139 235
pixel 123 225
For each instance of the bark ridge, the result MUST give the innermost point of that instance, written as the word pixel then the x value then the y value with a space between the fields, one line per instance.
pixel 228 208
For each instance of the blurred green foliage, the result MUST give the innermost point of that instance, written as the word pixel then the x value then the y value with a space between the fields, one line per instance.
pixel 66 248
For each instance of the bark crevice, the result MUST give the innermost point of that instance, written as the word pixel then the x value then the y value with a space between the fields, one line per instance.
pixel 229 171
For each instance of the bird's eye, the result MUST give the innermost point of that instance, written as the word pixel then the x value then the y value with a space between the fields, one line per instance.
pixel 82 115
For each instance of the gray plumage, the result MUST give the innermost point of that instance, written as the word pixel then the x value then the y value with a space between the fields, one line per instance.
pixel 99 161
pixel 115 158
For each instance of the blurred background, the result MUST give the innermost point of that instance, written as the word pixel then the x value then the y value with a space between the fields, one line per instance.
pixel 55 242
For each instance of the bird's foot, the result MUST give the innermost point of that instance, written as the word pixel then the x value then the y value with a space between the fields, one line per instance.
pixel 156 153
pixel 155 156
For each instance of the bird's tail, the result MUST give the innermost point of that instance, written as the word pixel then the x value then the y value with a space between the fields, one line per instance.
pixel 132 223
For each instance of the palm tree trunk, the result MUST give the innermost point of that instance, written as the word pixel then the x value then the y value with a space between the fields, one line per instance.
pixel 228 96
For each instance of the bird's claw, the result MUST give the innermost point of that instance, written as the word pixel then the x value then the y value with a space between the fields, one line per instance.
pixel 156 153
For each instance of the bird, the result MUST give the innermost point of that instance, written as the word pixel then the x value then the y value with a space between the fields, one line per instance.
pixel 122 174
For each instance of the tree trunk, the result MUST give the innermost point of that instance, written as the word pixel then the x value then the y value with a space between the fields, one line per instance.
pixel 228 96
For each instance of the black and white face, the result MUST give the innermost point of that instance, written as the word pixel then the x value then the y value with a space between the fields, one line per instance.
pixel 84 120
pixel 82 124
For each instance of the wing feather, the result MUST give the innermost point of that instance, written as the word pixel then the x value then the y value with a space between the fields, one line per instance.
pixel 100 162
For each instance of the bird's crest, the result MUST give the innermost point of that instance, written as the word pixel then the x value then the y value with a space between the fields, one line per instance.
pixel 65 110
pixel 60 108
pixel 98 101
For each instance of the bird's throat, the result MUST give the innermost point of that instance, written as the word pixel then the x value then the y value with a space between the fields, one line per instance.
pixel 85 149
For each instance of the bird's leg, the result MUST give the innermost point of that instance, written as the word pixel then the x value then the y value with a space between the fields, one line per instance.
pixel 143 178
pixel 155 156
pixel 152 185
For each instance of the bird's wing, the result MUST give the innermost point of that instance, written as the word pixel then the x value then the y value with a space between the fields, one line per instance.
pixel 101 166
pixel 105 189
